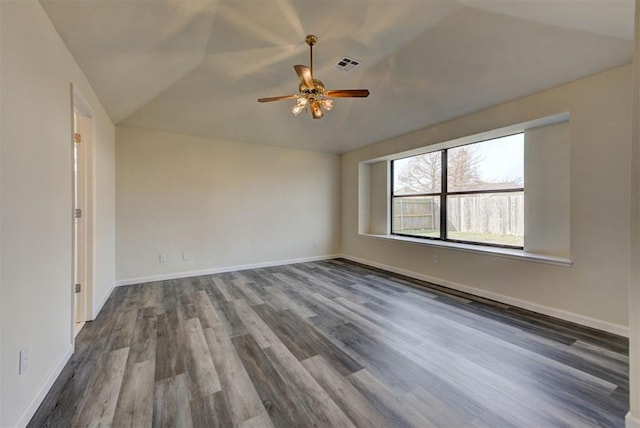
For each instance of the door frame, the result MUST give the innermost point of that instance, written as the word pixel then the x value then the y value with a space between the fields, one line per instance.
pixel 82 122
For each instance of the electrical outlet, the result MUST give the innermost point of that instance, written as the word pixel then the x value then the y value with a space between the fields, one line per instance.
pixel 23 364
pixel 436 259
pixel 186 255
pixel 164 258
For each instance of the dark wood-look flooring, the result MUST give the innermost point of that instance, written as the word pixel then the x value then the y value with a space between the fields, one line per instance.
pixel 331 344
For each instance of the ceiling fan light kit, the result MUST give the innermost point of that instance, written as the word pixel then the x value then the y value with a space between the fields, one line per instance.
pixel 312 91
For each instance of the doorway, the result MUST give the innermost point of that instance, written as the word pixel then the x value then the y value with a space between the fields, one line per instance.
pixel 82 213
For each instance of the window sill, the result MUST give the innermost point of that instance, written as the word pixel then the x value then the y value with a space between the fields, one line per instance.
pixel 509 253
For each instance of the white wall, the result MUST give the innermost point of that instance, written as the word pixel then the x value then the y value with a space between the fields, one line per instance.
pixel 633 417
pixel 547 181
pixel 594 289
pixel 35 186
pixel 379 198
pixel 225 203
pixel 104 211
pixel 1 294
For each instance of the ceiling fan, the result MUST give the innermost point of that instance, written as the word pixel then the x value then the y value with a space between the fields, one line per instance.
pixel 312 91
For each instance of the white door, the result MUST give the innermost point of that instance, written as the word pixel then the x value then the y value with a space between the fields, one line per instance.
pixel 80 229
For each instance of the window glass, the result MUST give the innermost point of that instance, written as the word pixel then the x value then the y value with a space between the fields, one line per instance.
pixel 418 174
pixel 417 216
pixel 484 197
pixel 488 165
pixel 488 218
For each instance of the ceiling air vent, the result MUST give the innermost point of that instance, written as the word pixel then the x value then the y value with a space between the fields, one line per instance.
pixel 346 64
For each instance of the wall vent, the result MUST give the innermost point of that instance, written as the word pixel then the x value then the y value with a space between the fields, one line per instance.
pixel 346 64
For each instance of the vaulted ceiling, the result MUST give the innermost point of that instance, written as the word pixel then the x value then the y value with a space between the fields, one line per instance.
pixel 197 67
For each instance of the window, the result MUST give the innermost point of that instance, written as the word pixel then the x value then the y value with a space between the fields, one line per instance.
pixel 472 193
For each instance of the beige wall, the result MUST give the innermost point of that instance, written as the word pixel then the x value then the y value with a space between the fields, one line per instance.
pixel 35 187
pixel 547 178
pixel 379 198
pixel 224 203
pixel 104 210
pixel 633 417
pixel 1 276
pixel 592 291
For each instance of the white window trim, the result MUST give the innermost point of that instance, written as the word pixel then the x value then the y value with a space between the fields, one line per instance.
pixel 509 253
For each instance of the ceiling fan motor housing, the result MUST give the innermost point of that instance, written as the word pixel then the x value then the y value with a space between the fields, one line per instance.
pixel 318 88
pixel 312 91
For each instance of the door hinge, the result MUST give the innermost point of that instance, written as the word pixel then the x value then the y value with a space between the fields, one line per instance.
pixel 77 138
pixel 78 288
pixel 77 213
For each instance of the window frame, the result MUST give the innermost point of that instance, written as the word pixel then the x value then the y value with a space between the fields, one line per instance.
pixel 444 193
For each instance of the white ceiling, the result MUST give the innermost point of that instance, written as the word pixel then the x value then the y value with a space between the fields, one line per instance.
pixel 198 66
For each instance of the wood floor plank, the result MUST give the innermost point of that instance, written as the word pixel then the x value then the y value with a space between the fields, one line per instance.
pixel 311 398
pixel 169 346
pixel 135 403
pixel 317 282
pixel 261 277
pixel 354 405
pixel 309 282
pixel 244 402
pixel 386 402
pixel 332 343
pixel 303 341
pixel 276 398
pixel 226 288
pixel 261 421
pixel 98 405
pixel 256 327
pixel 169 300
pixel 231 319
pixel 145 333
pixel 200 365
pixel 493 390
pixel 211 411
pixel 122 333
pixel 243 399
pixel 212 290
pixel 298 308
pixel 541 372
pixel 256 283
pixel 172 403
pixel 252 298
pixel 185 307
pixel 588 359
pixel 440 412
pixel 208 311
pixel 387 362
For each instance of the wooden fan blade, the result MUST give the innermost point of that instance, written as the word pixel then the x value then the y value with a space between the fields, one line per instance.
pixel 347 93
pixel 316 110
pixel 304 73
pixel 284 97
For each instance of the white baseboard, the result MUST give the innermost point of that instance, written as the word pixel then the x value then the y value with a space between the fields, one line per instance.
pixel 176 275
pixel 632 421
pixel 545 310
pixel 44 389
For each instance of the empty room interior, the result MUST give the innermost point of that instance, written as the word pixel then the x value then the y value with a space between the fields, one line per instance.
pixel 292 213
